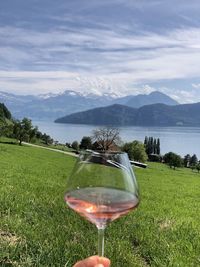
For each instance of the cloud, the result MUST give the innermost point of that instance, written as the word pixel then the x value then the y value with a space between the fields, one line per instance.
pixel 103 58
pixel 196 85
pixel 105 46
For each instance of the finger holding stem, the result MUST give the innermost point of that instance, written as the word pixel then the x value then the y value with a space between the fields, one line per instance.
pixel 94 261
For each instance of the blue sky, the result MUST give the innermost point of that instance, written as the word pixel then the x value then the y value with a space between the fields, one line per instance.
pixel 100 46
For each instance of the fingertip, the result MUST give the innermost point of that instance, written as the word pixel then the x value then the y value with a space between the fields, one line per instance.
pixel 105 261
pixel 94 261
pixel 91 261
pixel 94 258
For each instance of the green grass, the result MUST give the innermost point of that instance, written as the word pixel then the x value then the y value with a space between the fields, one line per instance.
pixel 61 147
pixel 4 139
pixel 37 229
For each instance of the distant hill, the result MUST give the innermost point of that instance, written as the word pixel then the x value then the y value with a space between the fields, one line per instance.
pixel 149 115
pixel 115 114
pixel 153 98
pixel 51 106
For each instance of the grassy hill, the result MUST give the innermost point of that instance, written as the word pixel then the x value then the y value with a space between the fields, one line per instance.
pixel 37 229
pixel 6 121
pixel 5 115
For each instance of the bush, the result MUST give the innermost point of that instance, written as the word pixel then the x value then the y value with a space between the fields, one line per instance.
pixel 173 160
pixel 86 143
pixel 155 158
pixel 68 145
pixel 75 145
pixel 135 151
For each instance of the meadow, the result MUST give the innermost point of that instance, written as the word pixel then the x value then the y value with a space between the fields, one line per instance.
pixel 37 229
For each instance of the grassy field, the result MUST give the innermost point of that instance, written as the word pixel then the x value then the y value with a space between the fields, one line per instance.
pixel 61 147
pixel 37 229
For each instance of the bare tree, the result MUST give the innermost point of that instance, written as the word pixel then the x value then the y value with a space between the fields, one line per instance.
pixel 106 137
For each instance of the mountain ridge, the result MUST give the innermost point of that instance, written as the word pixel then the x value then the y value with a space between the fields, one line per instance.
pixel 51 106
pixel 148 115
pixel 143 99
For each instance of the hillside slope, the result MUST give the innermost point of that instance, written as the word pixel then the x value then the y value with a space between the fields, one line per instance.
pixel 5 115
pixel 150 115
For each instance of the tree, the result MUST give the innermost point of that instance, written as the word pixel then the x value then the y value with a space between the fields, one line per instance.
pixel 192 167
pixel 135 151
pixel 4 112
pixel 146 141
pixel 75 145
pixel 68 144
pixel 39 135
pixel 173 160
pixel 155 158
pixel 198 167
pixel 194 160
pixel 158 146
pixel 106 137
pixel 86 143
pixel 6 123
pixel 6 130
pixel 47 139
pixel 23 130
pixel 186 160
pixel 152 145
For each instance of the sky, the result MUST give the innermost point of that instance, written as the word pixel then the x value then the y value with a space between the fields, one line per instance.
pixel 101 46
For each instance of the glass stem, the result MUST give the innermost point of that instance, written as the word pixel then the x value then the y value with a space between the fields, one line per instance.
pixel 101 241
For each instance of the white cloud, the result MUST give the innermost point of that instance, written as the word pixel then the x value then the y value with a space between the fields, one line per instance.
pixel 196 85
pixel 105 59
pixel 182 95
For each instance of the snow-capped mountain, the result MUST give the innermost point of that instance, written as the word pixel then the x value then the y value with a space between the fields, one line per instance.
pixel 19 98
pixel 51 106
pixel 110 95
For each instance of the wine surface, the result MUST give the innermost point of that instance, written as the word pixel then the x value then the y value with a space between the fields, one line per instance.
pixel 101 205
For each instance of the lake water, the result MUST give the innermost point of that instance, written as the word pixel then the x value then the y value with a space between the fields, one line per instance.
pixel 181 140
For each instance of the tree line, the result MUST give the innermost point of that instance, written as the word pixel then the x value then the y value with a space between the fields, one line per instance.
pixel 23 131
pixel 106 138
pixel 152 145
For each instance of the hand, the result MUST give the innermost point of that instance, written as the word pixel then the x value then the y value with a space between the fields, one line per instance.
pixel 94 261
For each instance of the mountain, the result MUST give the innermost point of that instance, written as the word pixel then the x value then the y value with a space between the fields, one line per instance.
pixel 153 98
pixel 51 106
pixel 149 115
pixel 115 114
pixel 17 104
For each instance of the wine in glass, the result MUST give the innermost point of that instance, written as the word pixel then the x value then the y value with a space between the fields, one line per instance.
pixel 102 187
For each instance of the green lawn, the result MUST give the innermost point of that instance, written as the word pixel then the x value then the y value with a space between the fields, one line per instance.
pixel 37 229
pixel 61 147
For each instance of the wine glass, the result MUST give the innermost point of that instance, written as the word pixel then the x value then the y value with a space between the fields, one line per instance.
pixel 102 187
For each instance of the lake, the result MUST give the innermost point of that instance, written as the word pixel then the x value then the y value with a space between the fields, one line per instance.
pixel 181 140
